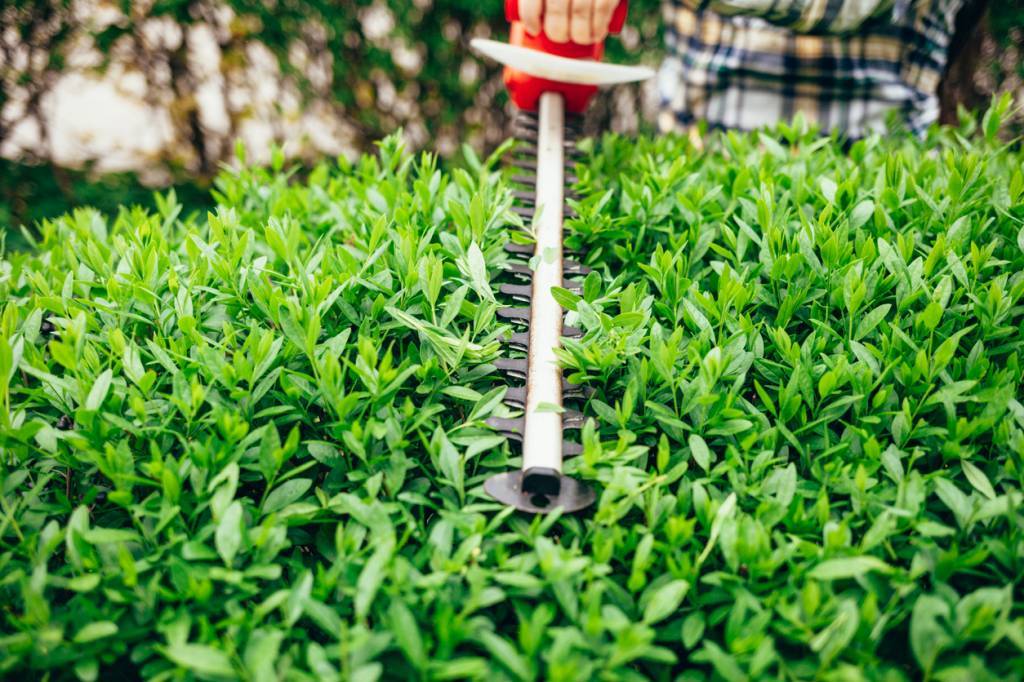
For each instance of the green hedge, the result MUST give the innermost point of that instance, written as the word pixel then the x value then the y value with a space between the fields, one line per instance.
pixel 252 445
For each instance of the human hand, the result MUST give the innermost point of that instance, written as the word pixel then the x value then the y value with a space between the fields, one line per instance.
pixel 581 21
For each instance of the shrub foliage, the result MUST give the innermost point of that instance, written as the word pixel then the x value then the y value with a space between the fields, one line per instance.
pixel 252 444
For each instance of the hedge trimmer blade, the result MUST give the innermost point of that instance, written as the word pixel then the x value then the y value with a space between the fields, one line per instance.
pixel 549 78
pixel 540 486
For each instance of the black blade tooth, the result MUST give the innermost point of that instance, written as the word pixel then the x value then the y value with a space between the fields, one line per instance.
pixel 527 117
pixel 570 213
pixel 513 427
pixel 571 267
pixel 514 367
pixel 523 211
pixel 572 332
pixel 572 419
pixel 518 341
pixel 527 250
pixel 510 427
pixel 519 249
pixel 521 292
pixel 525 164
pixel 525 196
pixel 523 133
pixel 519 270
pixel 576 390
pixel 529 180
pixel 514 314
pixel 525 291
pixel 571 449
pixel 515 396
pixel 574 152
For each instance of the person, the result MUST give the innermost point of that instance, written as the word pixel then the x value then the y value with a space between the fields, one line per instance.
pixel 847 65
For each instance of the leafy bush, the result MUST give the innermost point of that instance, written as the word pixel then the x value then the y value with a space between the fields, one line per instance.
pixel 252 445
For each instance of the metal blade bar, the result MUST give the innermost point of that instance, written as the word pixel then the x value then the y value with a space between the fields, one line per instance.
pixel 540 486
pixel 542 430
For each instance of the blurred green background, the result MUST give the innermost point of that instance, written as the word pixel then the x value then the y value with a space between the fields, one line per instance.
pixel 318 77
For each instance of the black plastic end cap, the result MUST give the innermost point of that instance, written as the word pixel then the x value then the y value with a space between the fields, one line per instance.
pixel 568 493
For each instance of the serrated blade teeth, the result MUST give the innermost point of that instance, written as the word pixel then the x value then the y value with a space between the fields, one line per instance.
pixel 528 249
pixel 572 419
pixel 525 164
pixel 518 341
pixel 527 197
pixel 578 391
pixel 524 292
pixel 571 267
pixel 515 314
pixel 520 292
pixel 516 396
pixel 514 367
pixel 519 249
pixel 524 132
pixel 519 269
pixel 511 428
pixel 538 176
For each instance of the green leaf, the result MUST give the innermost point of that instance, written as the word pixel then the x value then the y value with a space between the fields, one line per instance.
pixel 98 392
pixel 229 532
pixel 978 479
pixel 693 629
pixel 407 634
pixel 871 320
pixel 478 272
pixel 565 298
pixel 506 654
pixel 95 630
pixel 105 536
pixel 285 494
pixel 700 452
pixel 371 576
pixel 261 654
pixel 200 659
pixel 929 635
pixel 722 516
pixel 849 567
pixel 664 601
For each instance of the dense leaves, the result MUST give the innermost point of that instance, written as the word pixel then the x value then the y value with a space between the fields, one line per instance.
pixel 252 445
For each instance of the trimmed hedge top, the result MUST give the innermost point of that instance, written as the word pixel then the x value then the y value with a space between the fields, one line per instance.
pixel 252 444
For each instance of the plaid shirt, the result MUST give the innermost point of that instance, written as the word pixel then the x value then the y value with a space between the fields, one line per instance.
pixel 845 64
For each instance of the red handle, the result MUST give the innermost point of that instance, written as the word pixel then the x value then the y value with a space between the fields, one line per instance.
pixel 526 90
pixel 614 27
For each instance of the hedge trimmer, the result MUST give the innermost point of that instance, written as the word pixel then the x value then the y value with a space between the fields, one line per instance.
pixel 545 79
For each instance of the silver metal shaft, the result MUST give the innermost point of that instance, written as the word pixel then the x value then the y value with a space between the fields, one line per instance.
pixel 542 425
